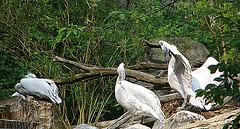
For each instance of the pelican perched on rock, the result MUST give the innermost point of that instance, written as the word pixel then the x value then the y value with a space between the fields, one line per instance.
pixel 137 99
pixel 42 88
pixel 186 82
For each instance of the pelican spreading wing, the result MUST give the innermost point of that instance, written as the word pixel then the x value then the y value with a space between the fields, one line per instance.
pixel 201 78
pixel 179 71
pixel 186 82
pixel 137 99
pixel 42 88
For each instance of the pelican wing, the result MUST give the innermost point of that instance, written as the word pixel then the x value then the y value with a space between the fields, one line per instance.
pixel 202 76
pixel 179 70
pixel 53 91
pixel 42 88
pixel 168 48
pixel 144 99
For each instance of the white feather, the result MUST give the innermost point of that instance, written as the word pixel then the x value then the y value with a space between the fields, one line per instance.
pixel 137 99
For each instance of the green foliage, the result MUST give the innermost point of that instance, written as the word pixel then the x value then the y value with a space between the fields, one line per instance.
pixel 11 71
pixel 230 84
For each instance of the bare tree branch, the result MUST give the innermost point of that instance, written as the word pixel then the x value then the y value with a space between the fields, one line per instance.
pixel 94 71
pixel 148 65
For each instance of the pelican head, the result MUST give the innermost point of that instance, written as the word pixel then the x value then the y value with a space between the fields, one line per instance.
pixel 18 87
pixel 166 47
pixel 121 72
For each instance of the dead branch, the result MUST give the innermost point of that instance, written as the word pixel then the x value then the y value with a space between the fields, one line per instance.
pixel 148 65
pixel 92 72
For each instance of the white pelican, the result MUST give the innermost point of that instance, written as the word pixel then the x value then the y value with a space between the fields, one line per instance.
pixel 179 72
pixel 137 99
pixel 42 88
pixel 186 82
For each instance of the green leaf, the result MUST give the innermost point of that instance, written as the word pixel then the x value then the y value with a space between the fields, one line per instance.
pixel 81 28
pixel 234 42
pixel 221 67
pixel 68 33
pixel 97 28
pixel 61 29
pixel 213 68
pixel 75 31
pixel 226 126
pixel 210 86
pixel 227 39
pixel 218 79
pixel 122 16
pixel 208 94
pixel 200 92
pixel 208 12
pixel 59 37
pixel 113 13
pixel 91 34
pixel 219 90
pixel 220 101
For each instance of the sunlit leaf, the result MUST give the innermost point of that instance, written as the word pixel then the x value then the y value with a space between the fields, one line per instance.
pixel 59 37
pixel 61 29
pixel 75 31
pixel 81 28
pixel 122 16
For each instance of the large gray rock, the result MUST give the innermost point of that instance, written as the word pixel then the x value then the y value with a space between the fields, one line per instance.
pixel 182 118
pixel 179 119
pixel 192 50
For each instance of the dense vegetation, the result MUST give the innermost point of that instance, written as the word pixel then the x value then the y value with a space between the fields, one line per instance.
pixel 105 33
